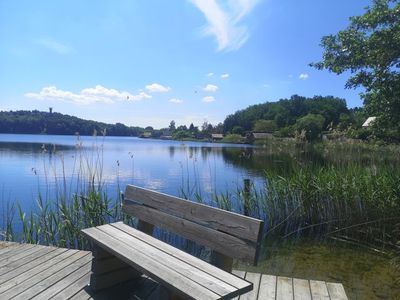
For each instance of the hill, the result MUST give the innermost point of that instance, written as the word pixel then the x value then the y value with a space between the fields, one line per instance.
pixel 38 122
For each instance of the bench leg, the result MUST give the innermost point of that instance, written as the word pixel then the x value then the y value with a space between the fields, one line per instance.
pixel 108 270
pixel 222 261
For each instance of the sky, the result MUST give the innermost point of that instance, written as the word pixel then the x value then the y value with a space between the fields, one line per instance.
pixel 147 62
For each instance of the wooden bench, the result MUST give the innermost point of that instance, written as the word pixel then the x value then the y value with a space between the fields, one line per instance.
pixel 122 253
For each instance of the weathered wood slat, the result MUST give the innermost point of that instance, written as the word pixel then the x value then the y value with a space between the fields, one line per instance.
pixel 139 261
pixel 81 295
pixel 53 276
pixel 267 289
pixel 54 287
pixel 232 223
pixel 216 240
pixel 15 251
pixel 336 291
pixel 284 288
pixel 74 288
pixel 181 255
pixel 189 271
pixel 255 279
pixel 301 289
pixel 34 276
pixel 319 291
pixel 20 255
pixel 8 248
pixel 108 265
pixel 16 276
pixel 25 260
pixel 103 281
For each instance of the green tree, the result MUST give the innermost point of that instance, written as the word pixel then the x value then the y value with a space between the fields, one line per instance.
pixel 370 49
pixel 238 130
pixel 312 125
pixel 264 126
pixel 172 126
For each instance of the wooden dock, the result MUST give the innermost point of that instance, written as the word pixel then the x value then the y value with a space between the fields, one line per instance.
pixel 42 272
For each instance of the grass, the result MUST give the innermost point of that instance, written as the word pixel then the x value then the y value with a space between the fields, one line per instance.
pixel 355 197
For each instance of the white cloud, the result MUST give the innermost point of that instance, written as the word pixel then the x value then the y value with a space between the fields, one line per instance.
pixel 175 100
pixel 225 76
pixel 208 99
pixel 210 74
pixel 303 76
pixel 54 46
pixel 210 88
pixel 223 21
pixel 98 94
pixel 157 88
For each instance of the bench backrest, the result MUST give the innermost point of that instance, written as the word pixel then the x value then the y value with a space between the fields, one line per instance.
pixel 225 232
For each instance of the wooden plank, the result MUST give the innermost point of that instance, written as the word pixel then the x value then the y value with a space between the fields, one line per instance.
pixel 18 249
pixel 336 291
pixel 235 224
pixel 81 295
pixel 181 255
pixel 267 289
pixel 284 288
pixel 53 275
pixel 222 261
pixel 25 260
pixel 216 240
pixel 53 287
pixel 8 248
pixel 100 253
pixel 207 280
pixel 28 267
pixel 38 274
pixel 107 265
pixel 255 279
pixel 74 288
pixel 18 256
pixel 319 291
pixel 301 289
pixel 142 263
pixel 103 281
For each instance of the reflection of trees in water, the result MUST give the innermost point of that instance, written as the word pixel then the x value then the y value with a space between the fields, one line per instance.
pixel 286 159
pixel 194 151
pixel 33 148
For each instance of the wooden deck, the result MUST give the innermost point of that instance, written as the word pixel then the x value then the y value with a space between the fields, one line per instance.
pixel 41 272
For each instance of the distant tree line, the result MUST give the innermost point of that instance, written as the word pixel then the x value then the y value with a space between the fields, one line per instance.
pixel 296 115
pixel 38 122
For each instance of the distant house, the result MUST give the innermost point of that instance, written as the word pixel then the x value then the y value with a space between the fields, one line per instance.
pixel 369 122
pixel 147 134
pixel 217 136
pixel 262 135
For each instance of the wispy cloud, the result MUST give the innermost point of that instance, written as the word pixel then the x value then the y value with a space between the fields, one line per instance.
pixel 224 21
pixel 54 46
pixel 210 88
pixel 208 99
pixel 225 76
pixel 210 74
pixel 157 88
pixel 98 94
pixel 175 100
pixel 303 76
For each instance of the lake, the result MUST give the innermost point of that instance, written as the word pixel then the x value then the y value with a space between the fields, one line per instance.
pixel 38 163
pixel 55 166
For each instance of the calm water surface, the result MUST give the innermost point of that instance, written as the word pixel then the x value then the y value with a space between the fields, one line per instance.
pixel 52 165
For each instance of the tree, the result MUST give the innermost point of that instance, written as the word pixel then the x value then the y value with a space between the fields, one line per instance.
pixel 264 126
pixel 370 49
pixel 172 126
pixel 237 130
pixel 312 125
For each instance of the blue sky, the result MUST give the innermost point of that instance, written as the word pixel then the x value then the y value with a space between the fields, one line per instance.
pixel 147 62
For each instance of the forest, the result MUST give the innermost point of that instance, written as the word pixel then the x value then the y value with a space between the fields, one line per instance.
pixel 38 122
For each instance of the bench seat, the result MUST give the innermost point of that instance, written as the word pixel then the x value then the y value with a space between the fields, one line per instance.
pixel 177 270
